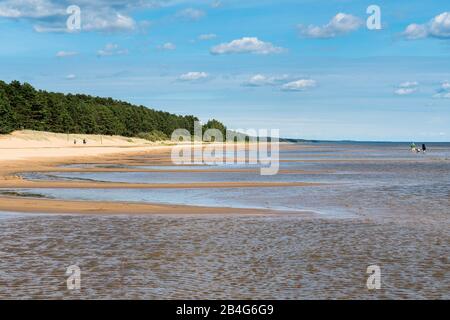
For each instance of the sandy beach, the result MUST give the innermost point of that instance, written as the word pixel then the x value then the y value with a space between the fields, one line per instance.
pixel 34 145
pixel 30 151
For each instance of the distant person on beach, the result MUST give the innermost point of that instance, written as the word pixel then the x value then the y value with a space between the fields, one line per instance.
pixel 84 141
pixel 413 147
pixel 424 147
pixel 75 141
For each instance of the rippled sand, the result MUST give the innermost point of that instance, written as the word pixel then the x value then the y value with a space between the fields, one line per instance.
pixel 173 257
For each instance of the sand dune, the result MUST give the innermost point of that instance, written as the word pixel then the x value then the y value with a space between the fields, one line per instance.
pixel 29 144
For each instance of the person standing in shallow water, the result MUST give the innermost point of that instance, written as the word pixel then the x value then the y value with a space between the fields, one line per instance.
pixel 424 148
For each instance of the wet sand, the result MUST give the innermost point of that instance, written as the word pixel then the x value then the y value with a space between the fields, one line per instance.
pixel 24 205
pixel 43 158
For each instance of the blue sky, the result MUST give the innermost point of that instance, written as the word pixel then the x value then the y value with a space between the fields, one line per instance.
pixel 309 68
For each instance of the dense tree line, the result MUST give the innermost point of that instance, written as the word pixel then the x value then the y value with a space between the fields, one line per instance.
pixel 23 107
pixel 214 124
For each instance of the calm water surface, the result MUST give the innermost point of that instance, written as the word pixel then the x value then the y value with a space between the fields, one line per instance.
pixel 380 205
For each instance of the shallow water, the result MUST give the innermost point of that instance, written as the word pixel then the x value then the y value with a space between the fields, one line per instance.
pixel 358 180
pixel 381 205
pixel 156 257
pixel 165 177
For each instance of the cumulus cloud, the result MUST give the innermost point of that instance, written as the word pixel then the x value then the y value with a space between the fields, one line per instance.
pixel 444 91
pixel 246 45
pixel 257 80
pixel 285 82
pixel 208 36
pixel 96 15
pixel 50 8
pixel 405 91
pixel 168 46
pixel 260 80
pixel 193 76
pixel 407 88
pixel 111 49
pixel 63 54
pixel 299 85
pixel 415 31
pixel 190 14
pixel 340 24
pixel 107 21
pixel 438 27
pixel 30 9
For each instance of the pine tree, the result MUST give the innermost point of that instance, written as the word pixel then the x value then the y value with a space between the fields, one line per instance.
pixel 23 107
pixel 7 117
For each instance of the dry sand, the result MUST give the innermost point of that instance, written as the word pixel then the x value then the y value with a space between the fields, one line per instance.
pixel 29 144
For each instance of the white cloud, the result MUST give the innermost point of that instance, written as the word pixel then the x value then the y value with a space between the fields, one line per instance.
pixel 444 91
pixel 415 31
pixel 299 85
pixel 407 88
pixel 63 54
pixel 70 77
pixel 111 49
pixel 107 21
pixel 340 24
pixel 438 27
pixel 190 14
pixel 246 45
pixel 409 84
pixel 30 9
pixel 260 80
pixel 257 80
pixel 445 85
pixel 36 9
pixel 168 46
pixel 208 36
pixel 96 15
pixel 193 76
pixel 405 91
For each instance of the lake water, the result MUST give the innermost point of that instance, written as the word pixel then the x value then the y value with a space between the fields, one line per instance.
pixel 379 204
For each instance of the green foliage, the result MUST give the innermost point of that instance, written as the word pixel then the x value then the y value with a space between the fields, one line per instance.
pixel 214 124
pixel 23 107
pixel 154 135
pixel 7 120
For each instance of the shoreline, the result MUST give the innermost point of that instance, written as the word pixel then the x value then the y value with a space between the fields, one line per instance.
pixel 53 206
pixel 38 160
